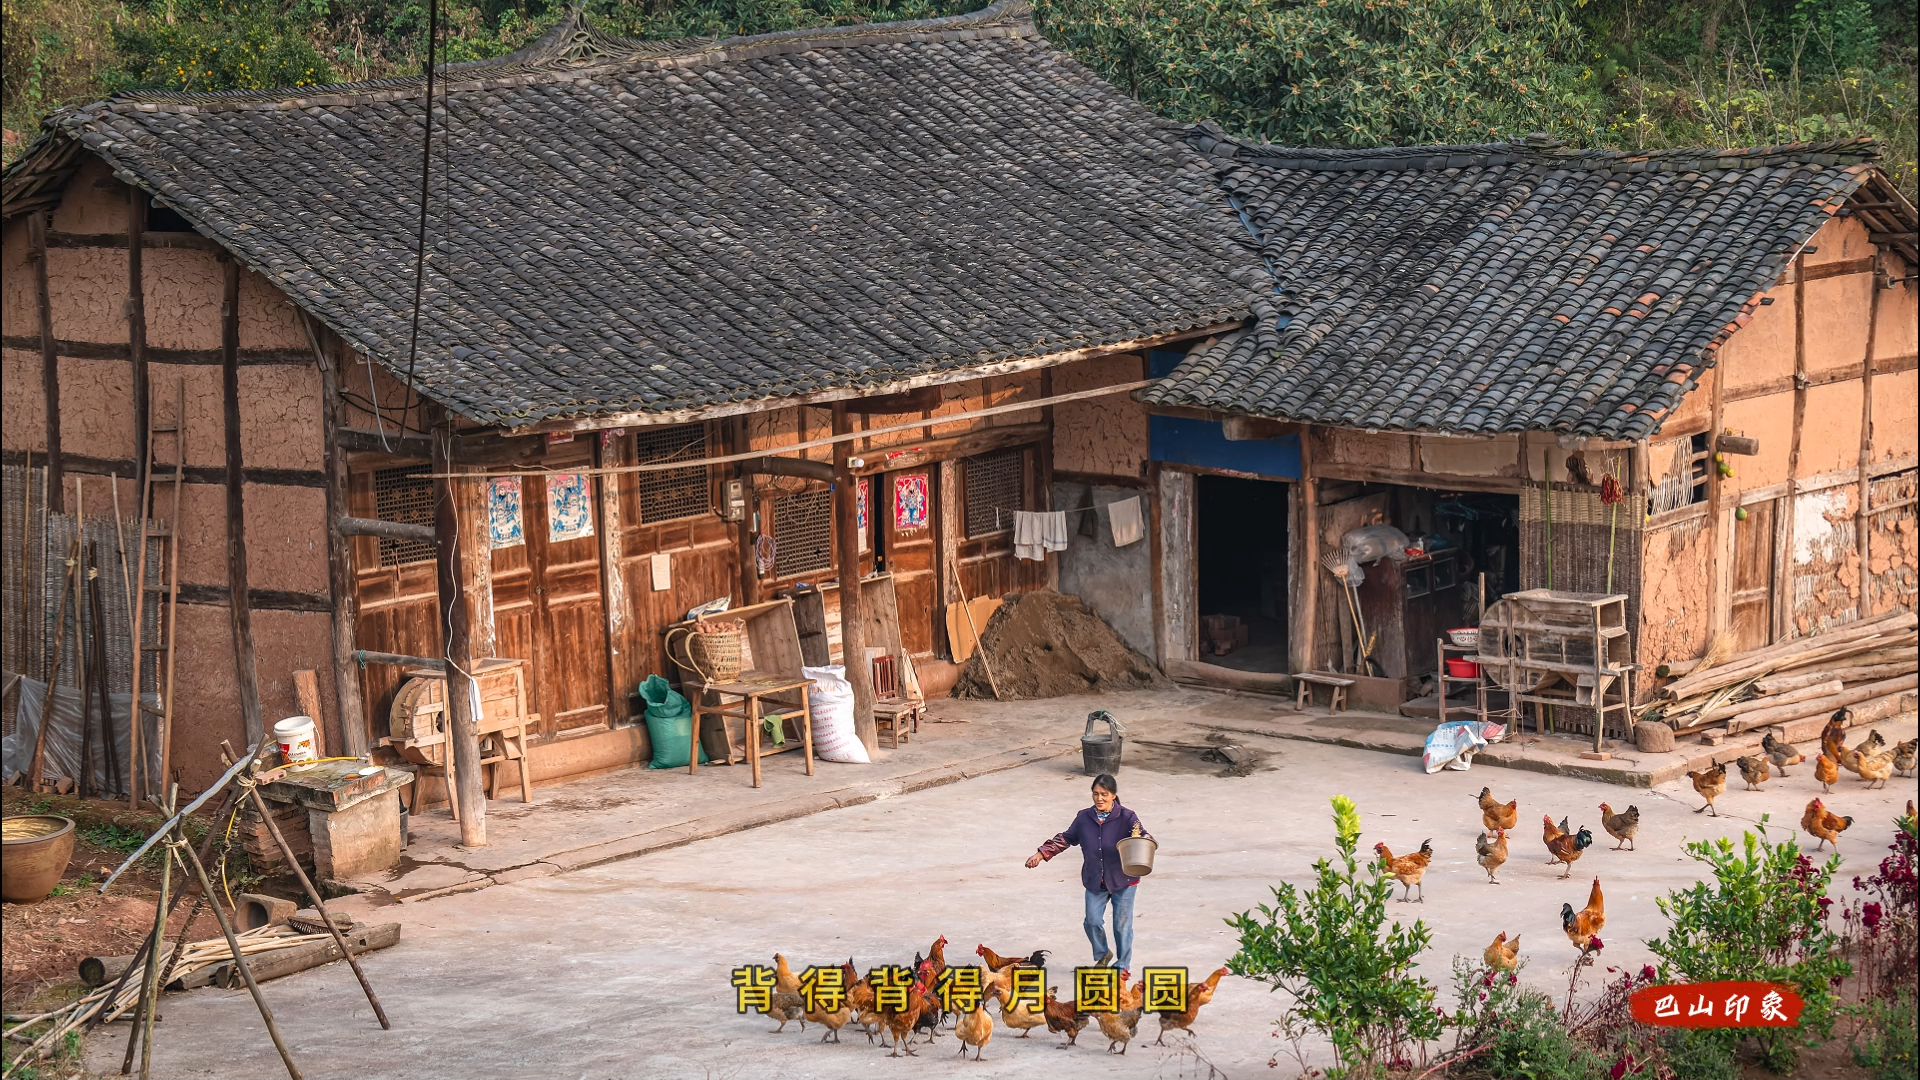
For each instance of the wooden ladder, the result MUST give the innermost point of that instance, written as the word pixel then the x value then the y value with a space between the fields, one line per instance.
pixel 162 534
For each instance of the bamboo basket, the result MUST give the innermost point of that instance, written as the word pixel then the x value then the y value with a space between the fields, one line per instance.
pixel 714 655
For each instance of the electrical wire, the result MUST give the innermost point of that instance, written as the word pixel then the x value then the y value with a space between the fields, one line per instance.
pixel 426 189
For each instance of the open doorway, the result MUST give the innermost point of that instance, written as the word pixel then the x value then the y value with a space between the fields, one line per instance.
pixel 1242 572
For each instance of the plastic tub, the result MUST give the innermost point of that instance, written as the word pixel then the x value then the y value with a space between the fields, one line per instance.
pixel 1136 855
pixel 295 736
pixel 1462 669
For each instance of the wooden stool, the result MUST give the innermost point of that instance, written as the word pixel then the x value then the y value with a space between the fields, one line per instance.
pixel 1336 695
pixel 894 719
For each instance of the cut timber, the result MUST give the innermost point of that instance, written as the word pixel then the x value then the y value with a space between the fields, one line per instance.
pixel 960 631
pixel 1861 673
pixel 283 962
pixel 1903 649
pixel 1824 705
pixel 1804 693
pixel 1807 729
pixel 1194 673
pixel 1844 641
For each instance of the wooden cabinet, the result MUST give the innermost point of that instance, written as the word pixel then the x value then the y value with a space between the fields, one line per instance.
pixel 1408 604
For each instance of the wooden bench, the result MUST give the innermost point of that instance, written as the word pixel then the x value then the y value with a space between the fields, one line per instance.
pixel 1336 687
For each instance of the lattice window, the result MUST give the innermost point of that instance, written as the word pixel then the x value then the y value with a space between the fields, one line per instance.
pixel 673 493
pixel 992 491
pixel 404 495
pixel 803 532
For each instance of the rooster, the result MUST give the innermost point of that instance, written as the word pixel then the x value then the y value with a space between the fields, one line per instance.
pixel 997 963
pixel 1755 771
pixel 975 1028
pixel 1851 757
pixel 1711 784
pixel 1833 736
pixel 1584 925
pixel 1823 824
pixel 1062 1017
pixel 1565 847
pixel 1827 771
pixel 1408 869
pixel 1496 816
pixel 934 1014
pixel 1549 832
pixel 1490 853
pixel 1502 955
pixel 1119 1028
pixel 1620 826
pixel 1198 994
pixel 1781 753
pixel 901 1023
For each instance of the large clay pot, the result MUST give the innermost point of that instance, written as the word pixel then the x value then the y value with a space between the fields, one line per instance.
pixel 37 849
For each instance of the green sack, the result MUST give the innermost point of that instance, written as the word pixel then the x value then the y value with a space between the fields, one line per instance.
pixel 669 724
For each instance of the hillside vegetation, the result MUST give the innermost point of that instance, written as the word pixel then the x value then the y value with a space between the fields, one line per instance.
pixel 1619 73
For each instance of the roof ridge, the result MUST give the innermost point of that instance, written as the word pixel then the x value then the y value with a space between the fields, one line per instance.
pixel 1536 149
pixel 574 46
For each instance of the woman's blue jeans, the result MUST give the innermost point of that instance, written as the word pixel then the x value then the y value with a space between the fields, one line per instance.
pixel 1122 902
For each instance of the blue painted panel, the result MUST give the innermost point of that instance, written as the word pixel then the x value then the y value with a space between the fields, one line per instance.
pixel 1203 443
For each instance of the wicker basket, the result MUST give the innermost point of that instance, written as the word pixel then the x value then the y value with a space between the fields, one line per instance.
pixel 713 655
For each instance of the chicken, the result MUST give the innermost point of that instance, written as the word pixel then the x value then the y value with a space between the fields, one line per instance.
pixel 1910 818
pixel 1566 847
pixel 1755 771
pixel 1119 1028
pixel 1022 1018
pixel 1490 853
pixel 1851 757
pixel 1408 869
pixel 1550 832
pixel 1198 994
pixel 787 1004
pixel 1062 1017
pixel 1584 925
pixel 996 963
pixel 1502 955
pixel 1781 753
pixel 1824 824
pixel 975 1028
pixel 1876 770
pixel 901 1023
pixel 1827 771
pixel 1496 816
pixel 1130 999
pixel 1906 757
pixel 1620 826
pixel 860 999
pixel 1833 736
pixel 937 956
pixel 1711 784
pixel 935 1011
pixel 834 1021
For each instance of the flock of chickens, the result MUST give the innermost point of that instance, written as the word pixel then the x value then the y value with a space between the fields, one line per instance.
pixel 1865 759
pixel 897 1028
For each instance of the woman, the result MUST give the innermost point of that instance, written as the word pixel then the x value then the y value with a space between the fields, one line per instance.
pixel 1097 831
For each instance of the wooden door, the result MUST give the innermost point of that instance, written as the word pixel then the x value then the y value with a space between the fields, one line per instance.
pixel 1752 615
pixel 548 604
pixel 909 553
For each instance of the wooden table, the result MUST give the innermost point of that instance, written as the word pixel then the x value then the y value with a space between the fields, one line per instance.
pixel 749 700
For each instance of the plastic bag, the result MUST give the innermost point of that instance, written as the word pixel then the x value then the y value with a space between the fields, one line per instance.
pixel 830 697
pixel 669 724
pixel 1453 744
pixel 1371 543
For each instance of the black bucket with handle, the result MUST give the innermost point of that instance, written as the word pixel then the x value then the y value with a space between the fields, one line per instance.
pixel 1101 753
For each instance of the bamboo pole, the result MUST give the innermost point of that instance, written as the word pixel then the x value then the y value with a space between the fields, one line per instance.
pixel 1857 673
pixel 1839 642
pixel 1804 693
pixel 240 961
pixel 133 699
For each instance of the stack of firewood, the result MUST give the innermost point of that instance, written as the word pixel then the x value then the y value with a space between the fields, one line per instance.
pixel 1868 667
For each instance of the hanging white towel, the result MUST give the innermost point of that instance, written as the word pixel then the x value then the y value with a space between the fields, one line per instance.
pixel 1037 532
pixel 1124 516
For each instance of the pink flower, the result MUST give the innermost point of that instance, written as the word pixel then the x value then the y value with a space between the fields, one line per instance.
pixel 1512 979
pixel 1647 972
pixel 1870 915
pixel 1622 1067
pixel 1594 944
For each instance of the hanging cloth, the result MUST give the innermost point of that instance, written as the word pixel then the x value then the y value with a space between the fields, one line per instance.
pixel 1037 532
pixel 1124 516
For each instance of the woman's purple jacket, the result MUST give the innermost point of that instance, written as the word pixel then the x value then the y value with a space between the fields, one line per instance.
pixel 1099 844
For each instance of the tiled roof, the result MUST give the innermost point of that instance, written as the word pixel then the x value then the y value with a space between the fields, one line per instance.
pixel 1506 287
pixel 624 226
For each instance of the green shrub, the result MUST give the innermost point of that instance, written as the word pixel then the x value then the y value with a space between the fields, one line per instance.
pixel 1347 973
pixel 1522 1032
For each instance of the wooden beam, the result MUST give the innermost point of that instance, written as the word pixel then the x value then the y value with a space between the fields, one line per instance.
pixel 983 441
pixel 49 363
pixel 349 701
pixel 450 502
pixel 1331 470
pixel 625 662
pixel 780 466
pixel 1305 563
pixel 1863 520
pixel 846 546
pixel 137 333
pixel 1718 611
pixel 1788 509
pixel 740 442
pixel 359 440
pixel 392 530
pixel 1737 444
pixel 239 607
pixel 917 400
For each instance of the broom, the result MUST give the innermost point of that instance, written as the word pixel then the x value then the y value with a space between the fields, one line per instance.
pixel 1337 566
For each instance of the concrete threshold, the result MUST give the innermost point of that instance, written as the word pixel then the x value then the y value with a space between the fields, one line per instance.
pixel 709 826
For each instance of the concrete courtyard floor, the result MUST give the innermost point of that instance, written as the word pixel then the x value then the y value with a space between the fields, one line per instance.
pixel 621 968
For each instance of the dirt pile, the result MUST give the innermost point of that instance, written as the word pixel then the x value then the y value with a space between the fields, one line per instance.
pixel 1047 644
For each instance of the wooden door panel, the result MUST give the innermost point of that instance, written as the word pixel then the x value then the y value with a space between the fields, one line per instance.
pixel 1752 610
pixel 566 618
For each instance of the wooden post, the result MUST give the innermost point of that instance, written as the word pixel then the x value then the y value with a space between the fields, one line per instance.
pixel 49 364
pixel 1045 468
pixel 1789 506
pixel 1718 557
pixel 623 655
pixel 239 609
pixel 742 438
pixel 946 548
pixel 349 704
pixel 846 504
pixel 137 332
pixel 1863 518
pixel 452 499
pixel 1305 564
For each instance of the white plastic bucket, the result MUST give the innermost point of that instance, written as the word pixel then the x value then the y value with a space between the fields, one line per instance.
pixel 295 736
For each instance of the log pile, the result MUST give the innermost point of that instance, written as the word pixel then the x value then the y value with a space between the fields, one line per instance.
pixel 1868 667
